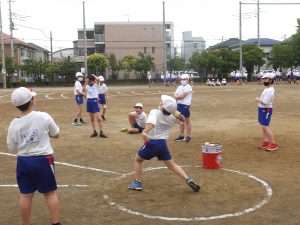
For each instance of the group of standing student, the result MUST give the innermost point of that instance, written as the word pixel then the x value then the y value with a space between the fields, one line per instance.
pixel 29 137
pixel 95 92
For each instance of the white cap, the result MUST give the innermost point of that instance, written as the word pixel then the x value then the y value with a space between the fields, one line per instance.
pixel 169 103
pixel 139 105
pixel 21 96
pixel 184 76
pixel 79 74
pixel 101 78
pixel 268 75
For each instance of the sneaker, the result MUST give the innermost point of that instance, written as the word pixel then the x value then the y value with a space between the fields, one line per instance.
pixel 272 147
pixel 180 138
pixel 188 139
pixel 193 185
pixel 123 129
pixel 264 145
pixel 94 134
pixel 76 123
pixel 135 185
pixel 101 134
pixel 102 116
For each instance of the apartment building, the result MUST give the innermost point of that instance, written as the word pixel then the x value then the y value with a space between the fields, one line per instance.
pixel 124 38
pixel 190 45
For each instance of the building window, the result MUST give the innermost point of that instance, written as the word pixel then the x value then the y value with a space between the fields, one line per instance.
pixel 145 50
pixel 153 50
pixel 22 51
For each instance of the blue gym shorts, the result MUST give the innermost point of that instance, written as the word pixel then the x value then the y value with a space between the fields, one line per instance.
pixel 154 148
pixel 79 99
pixel 92 105
pixel 138 127
pixel 264 116
pixel 184 110
pixel 36 173
pixel 102 99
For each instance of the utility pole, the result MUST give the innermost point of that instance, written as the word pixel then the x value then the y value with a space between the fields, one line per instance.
pixel 258 25
pixel 3 53
pixel 84 35
pixel 51 49
pixel 164 42
pixel 11 27
pixel 241 50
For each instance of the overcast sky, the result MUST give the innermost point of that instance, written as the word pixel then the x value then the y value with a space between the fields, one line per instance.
pixel 213 20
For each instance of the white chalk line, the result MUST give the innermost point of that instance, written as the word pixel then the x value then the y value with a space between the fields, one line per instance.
pixel 200 218
pixel 73 165
pixel 63 95
pixel 124 209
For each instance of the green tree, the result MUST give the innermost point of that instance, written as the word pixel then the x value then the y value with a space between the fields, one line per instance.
pixel 128 64
pixel 143 64
pixel 97 63
pixel 35 68
pixel 252 55
pixel 50 71
pixel 114 66
pixel 228 62
pixel 281 56
pixel 176 64
pixel 11 68
pixel 67 69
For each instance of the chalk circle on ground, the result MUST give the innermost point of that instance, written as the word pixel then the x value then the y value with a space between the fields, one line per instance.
pixel 264 201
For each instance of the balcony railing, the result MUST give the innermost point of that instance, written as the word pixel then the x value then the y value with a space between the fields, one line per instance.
pixel 99 38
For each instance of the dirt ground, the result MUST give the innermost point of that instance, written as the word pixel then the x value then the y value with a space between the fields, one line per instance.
pixel 262 189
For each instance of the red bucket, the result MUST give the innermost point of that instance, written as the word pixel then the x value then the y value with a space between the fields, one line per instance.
pixel 211 156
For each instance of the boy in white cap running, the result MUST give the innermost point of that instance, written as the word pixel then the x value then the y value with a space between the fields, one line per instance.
pixel 79 99
pixel 183 95
pixel 137 120
pixel 29 137
pixel 102 95
pixel 155 137
pixel 265 110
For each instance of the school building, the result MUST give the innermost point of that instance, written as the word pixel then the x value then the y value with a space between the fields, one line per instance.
pixel 127 38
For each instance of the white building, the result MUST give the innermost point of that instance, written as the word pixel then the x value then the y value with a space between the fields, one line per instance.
pixel 190 45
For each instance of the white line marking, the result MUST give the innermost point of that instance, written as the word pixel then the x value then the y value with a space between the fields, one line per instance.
pixel 4 95
pixel 201 218
pixel 73 165
pixel 47 95
pixel 62 95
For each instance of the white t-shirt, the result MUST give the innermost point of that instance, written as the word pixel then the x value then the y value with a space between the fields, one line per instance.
pixel 149 76
pixel 92 91
pixel 102 89
pixel 162 76
pixel 141 119
pixel 267 97
pixel 162 124
pixel 29 135
pixel 185 89
pixel 77 87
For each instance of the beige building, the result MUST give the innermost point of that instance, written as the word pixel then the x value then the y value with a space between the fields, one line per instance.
pixel 22 51
pixel 127 38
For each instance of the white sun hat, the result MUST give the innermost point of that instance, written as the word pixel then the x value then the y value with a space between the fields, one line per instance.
pixel 169 103
pixel 79 74
pixel 101 78
pixel 184 76
pixel 21 96
pixel 138 105
pixel 268 75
